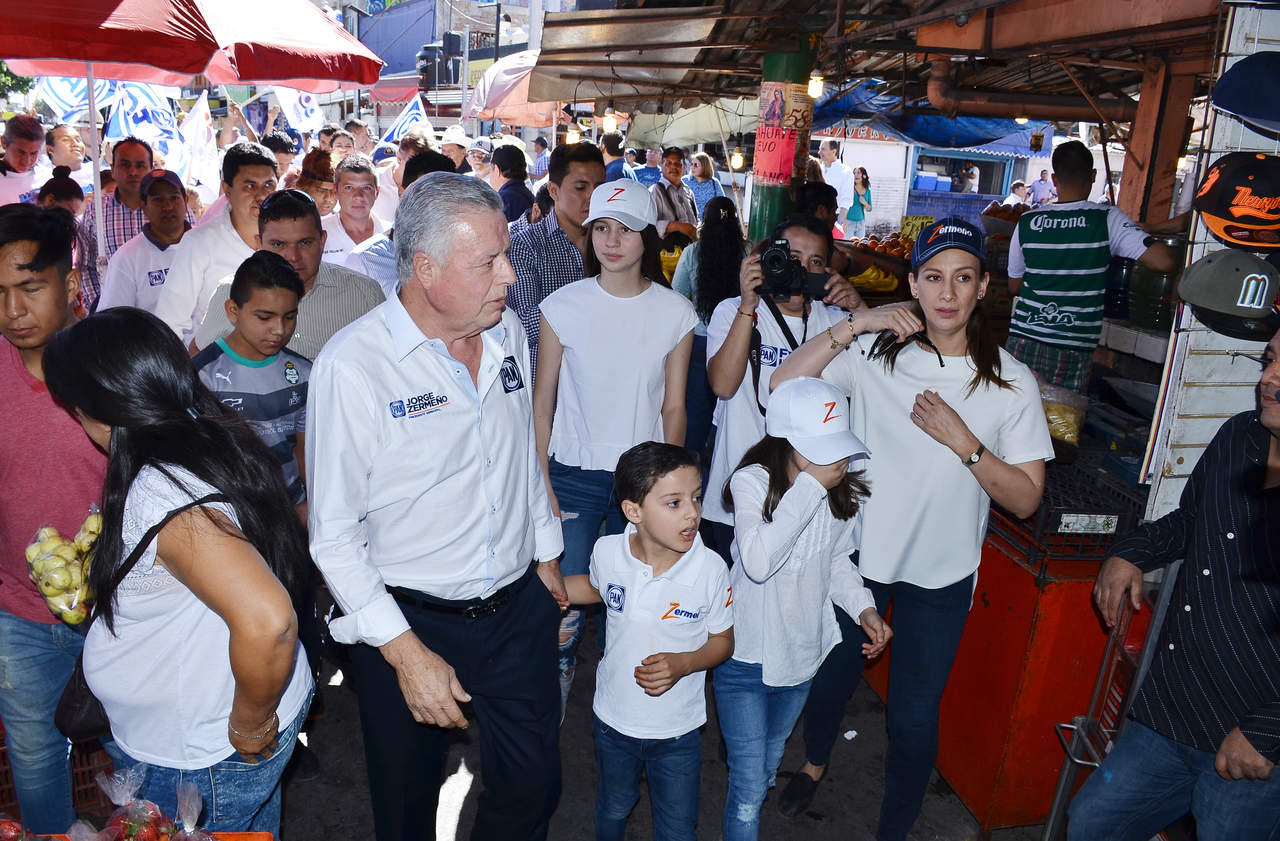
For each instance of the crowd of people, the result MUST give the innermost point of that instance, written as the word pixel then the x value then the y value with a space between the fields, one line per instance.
pixel 475 417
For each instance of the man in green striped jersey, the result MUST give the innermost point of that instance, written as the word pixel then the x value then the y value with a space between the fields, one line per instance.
pixel 1058 264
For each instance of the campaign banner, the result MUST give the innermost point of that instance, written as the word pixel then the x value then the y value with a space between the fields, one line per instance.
pixel 412 115
pixel 68 97
pixel 198 138
pixel 299 108
pixel 144 112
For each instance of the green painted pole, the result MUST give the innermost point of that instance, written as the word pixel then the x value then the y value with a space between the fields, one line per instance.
pixel 782 141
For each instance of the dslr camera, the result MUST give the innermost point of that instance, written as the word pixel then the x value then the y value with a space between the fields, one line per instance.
pixel 785 276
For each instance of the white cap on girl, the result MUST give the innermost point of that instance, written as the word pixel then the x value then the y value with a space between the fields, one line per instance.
pixel 813 415
pixel 626 201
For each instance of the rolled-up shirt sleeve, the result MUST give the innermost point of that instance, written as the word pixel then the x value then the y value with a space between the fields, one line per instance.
pixel 340 442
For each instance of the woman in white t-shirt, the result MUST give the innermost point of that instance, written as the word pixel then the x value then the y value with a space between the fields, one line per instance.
pixel 612 364
pixel 193 649
pixel 746 341
pixel 953 421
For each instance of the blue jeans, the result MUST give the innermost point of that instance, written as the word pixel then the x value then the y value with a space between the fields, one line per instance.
pixel 1148 781
pixel 755 721
pixel 238 797
pixel 586 500
pixel 673 767
pixel 36 661
pixel 927 625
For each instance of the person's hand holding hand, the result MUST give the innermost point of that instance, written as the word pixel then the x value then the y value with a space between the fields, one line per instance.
pixel 1116 576
pixel 549 572
pixel 876 628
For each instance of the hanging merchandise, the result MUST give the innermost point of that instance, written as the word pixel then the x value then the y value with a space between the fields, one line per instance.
pixel 1239 200
pixel 1239 94
pixel 1233 293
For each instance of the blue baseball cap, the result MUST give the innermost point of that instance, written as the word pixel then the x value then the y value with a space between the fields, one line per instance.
pixel 952 232
pixel 1239 93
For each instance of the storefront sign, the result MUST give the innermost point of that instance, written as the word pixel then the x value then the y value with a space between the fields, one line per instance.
pixel 913 225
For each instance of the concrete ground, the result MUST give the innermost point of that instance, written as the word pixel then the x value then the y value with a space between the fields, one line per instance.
pixel 846 807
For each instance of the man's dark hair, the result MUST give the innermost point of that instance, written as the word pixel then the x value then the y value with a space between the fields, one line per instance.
pixel 814 195
pixel 52 229
pixel 1073 164
pixel 120 144
pixel 426 161
pixel 328 129
pixel 356 162
pixel 355 123
pixel 279 142
pixel 22 127
pixel 264 270
pixel 540 141
pixel 1016 184
pixel 612 142
pixel 244 154
pixel 48 135
pixel 640 468
pixel 829 144
pixel 674 150
pixel 569 153
pixel 510 162
pixel 343 133
pixel 289 204
pixel 812 224
pixel 544 201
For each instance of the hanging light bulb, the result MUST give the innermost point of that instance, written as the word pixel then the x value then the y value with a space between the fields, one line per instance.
pixel 609 123
pixel 572 136
pixel 1022 121
pixel 815 86
pixel 736 160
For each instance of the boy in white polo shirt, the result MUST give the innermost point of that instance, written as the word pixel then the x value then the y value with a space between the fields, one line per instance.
pixel 669 617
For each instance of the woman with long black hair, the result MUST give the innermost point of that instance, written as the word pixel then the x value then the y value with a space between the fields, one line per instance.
pixel 707 274
pixel 953 421
pixel 193 650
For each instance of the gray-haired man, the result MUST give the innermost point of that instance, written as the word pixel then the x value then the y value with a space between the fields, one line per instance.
pixel 430 522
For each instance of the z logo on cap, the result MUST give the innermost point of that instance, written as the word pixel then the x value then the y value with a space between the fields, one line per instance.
pixel 616 192
pixel 831 407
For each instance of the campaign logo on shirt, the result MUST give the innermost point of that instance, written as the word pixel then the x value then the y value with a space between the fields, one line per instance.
pixel 615 596
pixel 397 408
pixel 510 373
pixel 678 612
pixel 291 373
pixel 156 277
pixel 772 357
pixel 422 404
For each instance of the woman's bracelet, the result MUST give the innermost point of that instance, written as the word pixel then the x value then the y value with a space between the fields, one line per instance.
pixel 749 315
pixel 271 724
pixel 836 344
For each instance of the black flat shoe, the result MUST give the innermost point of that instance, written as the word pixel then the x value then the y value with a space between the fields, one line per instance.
pixel 796 797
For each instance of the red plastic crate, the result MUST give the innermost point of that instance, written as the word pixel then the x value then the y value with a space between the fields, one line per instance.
pixel 87 761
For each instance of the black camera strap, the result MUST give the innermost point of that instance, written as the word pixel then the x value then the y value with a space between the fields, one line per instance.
pixel 753 355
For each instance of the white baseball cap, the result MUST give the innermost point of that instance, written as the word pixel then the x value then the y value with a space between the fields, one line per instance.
pixel 627 201
pixel 813 415
pixel 456 135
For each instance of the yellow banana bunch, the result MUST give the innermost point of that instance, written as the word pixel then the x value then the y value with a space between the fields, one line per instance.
pixel 876 279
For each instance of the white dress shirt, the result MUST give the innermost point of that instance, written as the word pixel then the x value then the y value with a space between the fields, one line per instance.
pixel 136 273
pixel 339 244
pixel 207 254
pixel 840 176
pixel 416 477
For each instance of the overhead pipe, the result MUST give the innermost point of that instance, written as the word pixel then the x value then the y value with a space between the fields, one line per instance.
pixel 976 102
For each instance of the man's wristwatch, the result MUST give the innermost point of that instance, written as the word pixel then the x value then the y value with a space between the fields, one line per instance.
pixel 973 457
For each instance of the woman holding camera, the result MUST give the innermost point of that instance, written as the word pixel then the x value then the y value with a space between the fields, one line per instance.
pixel 748 337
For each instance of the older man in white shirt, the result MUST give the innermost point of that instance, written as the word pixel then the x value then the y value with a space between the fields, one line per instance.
pixel 430 522
pixel 836 173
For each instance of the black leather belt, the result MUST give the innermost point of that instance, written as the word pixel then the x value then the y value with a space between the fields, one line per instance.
pixel 468 608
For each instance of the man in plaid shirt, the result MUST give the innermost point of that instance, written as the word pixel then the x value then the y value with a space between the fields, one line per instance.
pixel 548 255
pixel 122 213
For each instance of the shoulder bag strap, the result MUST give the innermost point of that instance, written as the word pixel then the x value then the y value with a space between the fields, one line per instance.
pixel 132 561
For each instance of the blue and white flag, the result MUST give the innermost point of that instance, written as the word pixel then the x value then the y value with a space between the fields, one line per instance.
pixel 68 97
pixel 413 114
pixel 143 111
pixel 299 108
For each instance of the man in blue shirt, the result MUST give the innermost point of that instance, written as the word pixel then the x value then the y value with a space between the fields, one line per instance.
pixel 615 165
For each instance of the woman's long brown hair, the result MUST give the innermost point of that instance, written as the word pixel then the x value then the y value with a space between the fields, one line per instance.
pixel 774 455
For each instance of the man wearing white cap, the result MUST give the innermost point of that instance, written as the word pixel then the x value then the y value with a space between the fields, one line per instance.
pixel 455 143
pixel 480 157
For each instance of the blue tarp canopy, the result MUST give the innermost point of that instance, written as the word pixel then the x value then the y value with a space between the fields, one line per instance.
pixel 884 114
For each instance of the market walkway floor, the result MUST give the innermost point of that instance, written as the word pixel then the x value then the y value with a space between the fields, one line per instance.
pixel 846 807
